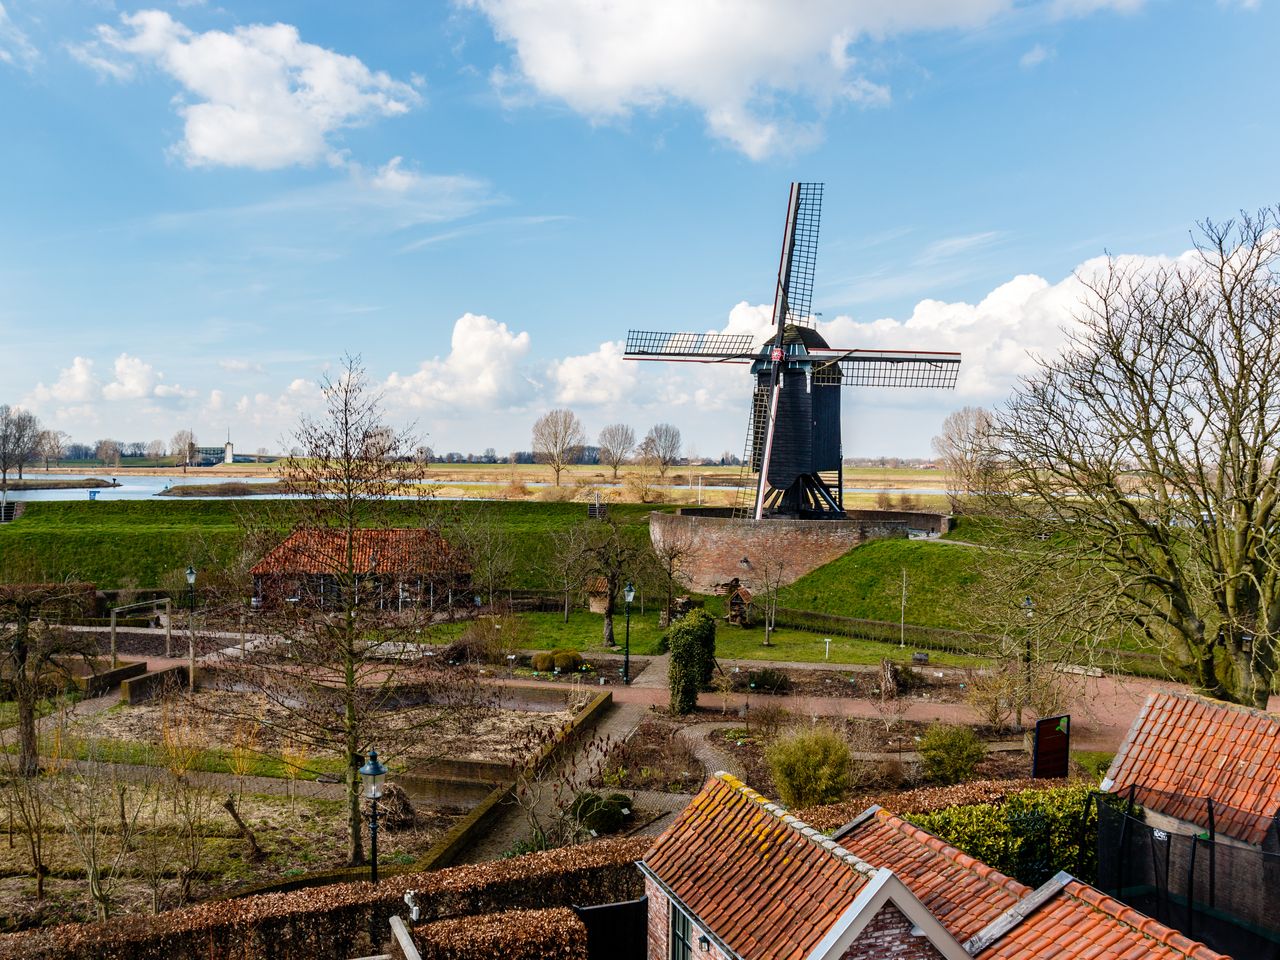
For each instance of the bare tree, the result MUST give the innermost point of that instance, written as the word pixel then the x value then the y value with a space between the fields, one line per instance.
pixel 663 444
pixel 100 812
pixel 1148 458
pixel 558 438
pixel 30 805
pixel 673 549
pixel 19 434
pixel 616 441
pixel 769 570
pixel 607 551
pixel 34 653
pixel 155 449
pixel 108 451
pixel 51 445
pixel 183 446
pixel 350 650
pixel 488 549
pixel 964 451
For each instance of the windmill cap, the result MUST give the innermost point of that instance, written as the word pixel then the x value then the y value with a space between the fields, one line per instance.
pixel 794 333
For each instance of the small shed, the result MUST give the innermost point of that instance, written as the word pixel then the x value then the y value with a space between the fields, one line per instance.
pixel 740 606
pixel 597 594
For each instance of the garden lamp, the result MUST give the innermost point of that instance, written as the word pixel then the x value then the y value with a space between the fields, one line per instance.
pixel 374 775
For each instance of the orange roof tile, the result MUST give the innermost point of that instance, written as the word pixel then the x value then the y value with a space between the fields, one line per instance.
pixel 390 551
pixel 965 894
pixel 1083 922
pixel 1182 749
pixel 766 883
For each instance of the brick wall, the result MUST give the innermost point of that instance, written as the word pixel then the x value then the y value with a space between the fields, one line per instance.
pixel 718 544
pixel 888 937
pixel 659 928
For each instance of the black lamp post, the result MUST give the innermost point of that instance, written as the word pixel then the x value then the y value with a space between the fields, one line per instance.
pixel 629 594
pixel 1028 605
pixel 191 628
pixel 374 775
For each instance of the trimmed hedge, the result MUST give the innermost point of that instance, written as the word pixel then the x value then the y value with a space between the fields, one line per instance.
pixel 348 919
pixel 692 641
pixel 1032 835
pixel 555 934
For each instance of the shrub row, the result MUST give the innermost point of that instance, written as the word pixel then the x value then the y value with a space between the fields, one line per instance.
pixel 1030 836
pixel 348 919
pixel 555 934
pixel 922 800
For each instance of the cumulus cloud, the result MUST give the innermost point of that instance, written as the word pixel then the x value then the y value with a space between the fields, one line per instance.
pixel 594 378
pixel 134 378
pixel 482 369
pixel 736 63
pixel 258 96
pixel 238 365
pixel 15 49
pixel 75 384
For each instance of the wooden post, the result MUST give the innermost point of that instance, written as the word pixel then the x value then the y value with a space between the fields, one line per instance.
pixel 113 639
pixel 168 627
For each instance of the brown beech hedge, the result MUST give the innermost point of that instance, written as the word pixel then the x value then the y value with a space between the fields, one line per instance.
pixel 346 919
pixel 555 934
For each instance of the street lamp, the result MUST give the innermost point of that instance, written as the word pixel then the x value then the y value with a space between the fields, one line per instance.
pixel 374 774
pixel 191 629
pixel 629 594
pixel 1030 607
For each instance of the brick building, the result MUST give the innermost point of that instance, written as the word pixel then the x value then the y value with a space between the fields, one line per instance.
pixel 391 568
pixel 736 876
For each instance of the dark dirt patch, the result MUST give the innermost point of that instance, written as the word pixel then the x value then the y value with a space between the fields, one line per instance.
pixel 653 758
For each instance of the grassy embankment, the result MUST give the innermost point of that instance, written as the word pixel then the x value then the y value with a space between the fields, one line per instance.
pixel 146 543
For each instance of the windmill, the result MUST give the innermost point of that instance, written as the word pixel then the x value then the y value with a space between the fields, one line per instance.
pixel 793 458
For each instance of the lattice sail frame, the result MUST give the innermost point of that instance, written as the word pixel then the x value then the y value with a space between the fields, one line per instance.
pixel 797 299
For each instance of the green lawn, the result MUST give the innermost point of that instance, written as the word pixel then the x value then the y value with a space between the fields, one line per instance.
pixel 867 583
pixel 147 543
pixel 583 632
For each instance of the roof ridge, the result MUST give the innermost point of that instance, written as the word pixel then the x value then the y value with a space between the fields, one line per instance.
pixel 1146 925
pixel 813 835
pixel 953 853
pixel 1215 702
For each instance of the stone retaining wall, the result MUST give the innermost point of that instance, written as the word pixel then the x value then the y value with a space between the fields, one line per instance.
pixel 719 544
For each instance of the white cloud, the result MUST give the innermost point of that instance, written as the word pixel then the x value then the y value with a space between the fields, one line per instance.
pixel 734 62
pixel 392 176
pixel 134 378
pixel 1037 55
pixel 482 370
pixel 75 384
pixel 594 378
pixel 15 49
pixel 255 97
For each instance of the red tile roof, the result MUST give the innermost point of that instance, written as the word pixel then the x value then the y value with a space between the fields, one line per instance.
pixel 1081 922
pixel 767 884
pixel 396 551
pixel 965 894
pixel 1182 749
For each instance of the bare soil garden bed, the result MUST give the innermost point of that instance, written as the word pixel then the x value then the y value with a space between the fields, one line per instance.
pixel 892 769
pixel 297 836
pixel 653 758
pixel 494 734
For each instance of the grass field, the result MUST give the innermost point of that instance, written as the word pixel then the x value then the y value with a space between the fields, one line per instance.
pixel 147 543
pixel 867 583
pixel 583 632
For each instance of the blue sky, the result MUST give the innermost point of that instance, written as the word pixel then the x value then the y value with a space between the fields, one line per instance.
pixel 204 206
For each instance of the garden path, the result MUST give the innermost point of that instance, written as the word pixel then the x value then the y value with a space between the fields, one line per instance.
pixel 712 757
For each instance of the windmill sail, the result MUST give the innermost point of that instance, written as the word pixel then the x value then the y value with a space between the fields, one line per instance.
pixel 651 345
pixel 793 459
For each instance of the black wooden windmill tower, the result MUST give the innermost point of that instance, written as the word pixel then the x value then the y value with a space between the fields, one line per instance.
pixel 793 449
